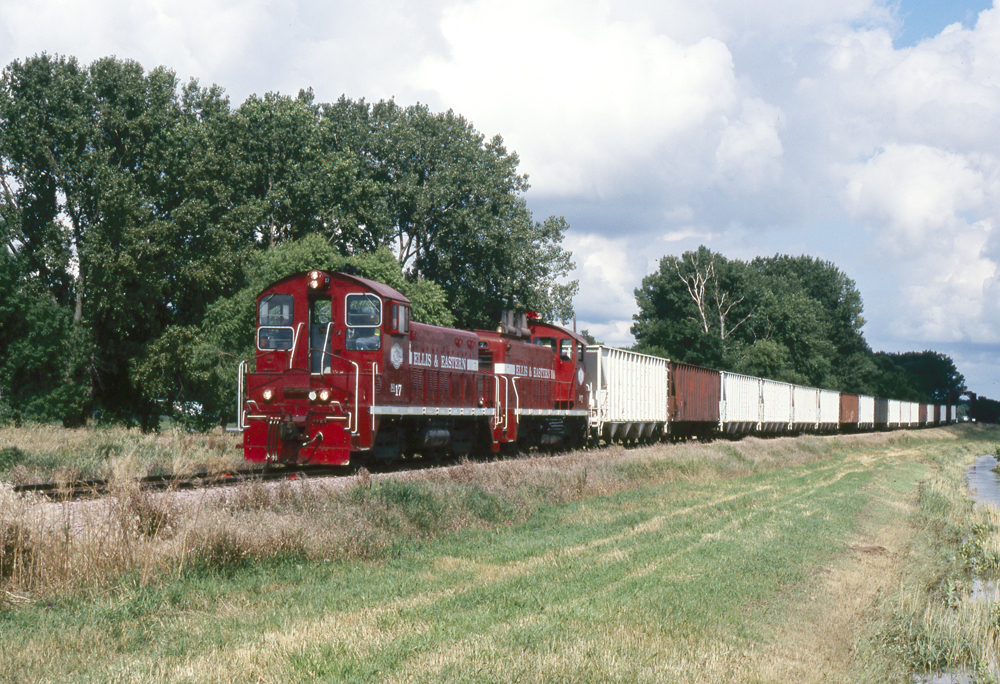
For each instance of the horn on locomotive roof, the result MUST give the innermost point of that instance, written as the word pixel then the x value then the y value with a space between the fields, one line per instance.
pixel 514 324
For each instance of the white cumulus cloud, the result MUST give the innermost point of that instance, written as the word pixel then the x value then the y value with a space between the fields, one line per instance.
pixel 587 99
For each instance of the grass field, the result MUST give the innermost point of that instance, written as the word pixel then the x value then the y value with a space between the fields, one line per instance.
pixel 844 559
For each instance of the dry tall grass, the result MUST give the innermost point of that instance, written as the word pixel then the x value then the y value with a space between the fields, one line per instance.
pixel 49 548
pixel 42 453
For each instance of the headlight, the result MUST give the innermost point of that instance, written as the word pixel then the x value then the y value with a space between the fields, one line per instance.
pixel 318 280
pixel 320 396
pixel 268 394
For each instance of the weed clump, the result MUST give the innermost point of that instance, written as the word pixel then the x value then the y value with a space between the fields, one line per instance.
pixel 10 457
pixel 143 513
pixel 16 551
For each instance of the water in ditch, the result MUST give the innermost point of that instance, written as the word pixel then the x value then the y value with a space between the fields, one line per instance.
pixel 984 488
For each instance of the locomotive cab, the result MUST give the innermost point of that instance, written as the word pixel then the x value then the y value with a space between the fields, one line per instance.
pixel 321 340
pixel 568 348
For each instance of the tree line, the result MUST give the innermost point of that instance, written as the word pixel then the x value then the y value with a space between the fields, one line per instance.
pixel 795 319
pixel 139 215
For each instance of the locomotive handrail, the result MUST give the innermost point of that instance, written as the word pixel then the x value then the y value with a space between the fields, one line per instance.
pixel 517 400
pixel 295 345
pixel 497 419
pixel 372 402
pixel 353 424
pixel 353 419
pixel 240 399
pixel 503 412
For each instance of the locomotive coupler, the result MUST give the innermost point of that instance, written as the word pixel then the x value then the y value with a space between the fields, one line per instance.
pixel 290 432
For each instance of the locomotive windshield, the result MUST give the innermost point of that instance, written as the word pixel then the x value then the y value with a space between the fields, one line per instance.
pixel 275 319
pixel 276 309
pixel 364 316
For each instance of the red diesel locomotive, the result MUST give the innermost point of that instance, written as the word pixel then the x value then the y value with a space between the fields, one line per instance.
pixel 341 372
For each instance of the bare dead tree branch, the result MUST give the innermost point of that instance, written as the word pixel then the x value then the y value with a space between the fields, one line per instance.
pixel 696 285
pixel 703 286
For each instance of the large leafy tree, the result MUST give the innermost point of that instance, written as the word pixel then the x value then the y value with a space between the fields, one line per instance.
pixel 133 210
pixel 805 325
pixel 112 204
pixel 815 311
pixel 156 253
pixel 426 185
pixel 690 308
pixel 45 128
pixel 926 376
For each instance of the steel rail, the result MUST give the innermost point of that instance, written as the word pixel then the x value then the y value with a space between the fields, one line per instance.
pixel 80 489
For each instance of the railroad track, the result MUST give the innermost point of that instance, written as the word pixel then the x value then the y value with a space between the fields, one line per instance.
pixel 82 489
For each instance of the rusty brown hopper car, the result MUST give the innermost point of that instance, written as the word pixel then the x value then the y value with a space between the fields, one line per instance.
pixel 849 411
pixel 694 400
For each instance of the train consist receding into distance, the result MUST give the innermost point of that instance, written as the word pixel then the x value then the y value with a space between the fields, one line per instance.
pixel 341 373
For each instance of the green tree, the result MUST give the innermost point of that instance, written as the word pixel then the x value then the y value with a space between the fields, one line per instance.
pixel 135 211
pixel 112 202
pixel 796 319
pixel 815 310
pixel 927 376
pixel 45 128
pixel 787 324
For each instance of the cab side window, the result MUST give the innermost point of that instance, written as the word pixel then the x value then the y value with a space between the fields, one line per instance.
pixel 363 318
pixel 400 319
pixel 277 309
pixel 566 350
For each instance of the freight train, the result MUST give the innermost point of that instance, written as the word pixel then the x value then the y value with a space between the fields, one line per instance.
pixel 342 373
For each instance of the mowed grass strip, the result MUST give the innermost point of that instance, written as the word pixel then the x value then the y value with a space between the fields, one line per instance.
pixel 705 564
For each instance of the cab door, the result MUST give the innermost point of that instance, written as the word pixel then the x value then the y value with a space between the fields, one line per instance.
pixel 320 334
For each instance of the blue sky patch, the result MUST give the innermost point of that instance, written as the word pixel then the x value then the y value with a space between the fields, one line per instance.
pixel 927 18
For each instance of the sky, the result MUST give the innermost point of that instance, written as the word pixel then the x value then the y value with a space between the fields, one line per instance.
pixel 861 132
